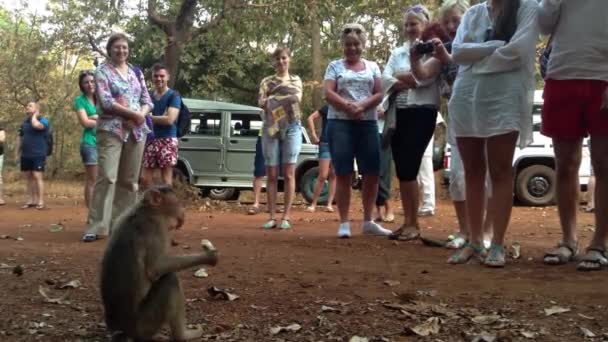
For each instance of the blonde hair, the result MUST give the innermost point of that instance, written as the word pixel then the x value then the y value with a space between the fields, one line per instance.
pixel 353 30
pixel 448 5
pixel 419 12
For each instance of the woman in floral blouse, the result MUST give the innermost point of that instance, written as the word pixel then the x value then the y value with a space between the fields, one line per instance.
pixel 123 103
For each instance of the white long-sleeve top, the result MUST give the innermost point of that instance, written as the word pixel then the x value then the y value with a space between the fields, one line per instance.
pixel 494 90
pixel 580 38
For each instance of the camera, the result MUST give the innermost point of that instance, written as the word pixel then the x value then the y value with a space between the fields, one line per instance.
pixel 424 48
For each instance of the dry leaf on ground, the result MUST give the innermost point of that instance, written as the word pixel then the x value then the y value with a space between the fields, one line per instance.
pixel 292 328
pixel 554 310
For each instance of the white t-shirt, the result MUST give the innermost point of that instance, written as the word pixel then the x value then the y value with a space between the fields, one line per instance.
pixel 580 38
pixel 353 86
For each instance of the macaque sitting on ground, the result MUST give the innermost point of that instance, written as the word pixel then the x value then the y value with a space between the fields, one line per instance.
pixel 139 286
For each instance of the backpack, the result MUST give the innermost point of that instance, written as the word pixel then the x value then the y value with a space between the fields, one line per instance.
pixel 183 118
pixel 49 142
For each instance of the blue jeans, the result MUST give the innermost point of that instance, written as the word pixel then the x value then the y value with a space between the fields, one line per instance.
pixel 88 154
pixel 282 151
pixel 324 153
pixel 354 139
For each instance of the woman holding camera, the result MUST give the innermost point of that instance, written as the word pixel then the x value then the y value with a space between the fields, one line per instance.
pixel 490 108
pixel 416 112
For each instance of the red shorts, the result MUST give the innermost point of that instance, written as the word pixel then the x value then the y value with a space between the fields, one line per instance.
pixel 572 109
pixel 160 153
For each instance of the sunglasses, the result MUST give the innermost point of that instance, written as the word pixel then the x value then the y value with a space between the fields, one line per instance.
pixel 349 30
pixel 86 72
pixel 418 9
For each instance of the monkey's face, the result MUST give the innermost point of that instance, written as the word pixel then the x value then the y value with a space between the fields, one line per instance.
pixel 164 201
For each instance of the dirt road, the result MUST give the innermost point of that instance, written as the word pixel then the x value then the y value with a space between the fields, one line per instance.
pixel 332 289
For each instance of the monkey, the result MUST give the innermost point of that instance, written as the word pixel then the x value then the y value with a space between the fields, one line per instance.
pixel 139 286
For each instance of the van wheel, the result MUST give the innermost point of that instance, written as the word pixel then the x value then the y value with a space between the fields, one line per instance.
pixel 224 194
pixel 308 181
pixel 535 185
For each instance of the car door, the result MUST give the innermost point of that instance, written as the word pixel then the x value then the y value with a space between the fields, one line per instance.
pixel 202 149
pixel 240 148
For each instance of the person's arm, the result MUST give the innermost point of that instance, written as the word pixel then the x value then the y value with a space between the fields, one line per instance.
pixel 18 146
pixel 2 136
pixel 311 126
pixel 38 124
pixel 465 52
pixel 145 100
pixel 85 120
pixel 548 15
pixel 109 104
pixel 171 113
pixel 374 100
pixel 405 80
pixel 331 95
pixel 300 87
pixel 520 49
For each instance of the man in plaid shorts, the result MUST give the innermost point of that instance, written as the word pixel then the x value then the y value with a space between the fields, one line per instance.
pixel 161 152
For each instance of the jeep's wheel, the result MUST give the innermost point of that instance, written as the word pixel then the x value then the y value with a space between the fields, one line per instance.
pixel 535 185
pixel 223 194
pixel 308 183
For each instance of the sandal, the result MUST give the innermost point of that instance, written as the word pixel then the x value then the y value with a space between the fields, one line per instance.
pixel 40 207
pixel 310 209
pixel 589 210
pixel 28 205
pixel 285 225
pixel 89 238
pixel 253 210
pixel 457 241
pixel 593 260
pixel 405 234
pixel 562 255
pixel 496 256
pixel 329 209
pixel 390 218
pixel 272 223
pixel 460 257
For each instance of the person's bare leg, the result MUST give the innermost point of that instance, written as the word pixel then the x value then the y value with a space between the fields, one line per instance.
pixel 38 184
pixel 89 183
pixel 147 177
pixel 271 189
pixel 461 217
pixel 369 192
pixel 488 223
pixel 332 187
pixel 500 165
pixel 591 194
pixel 472 151
pixel 289 174
pixel 410 197
pixel 343 192
pixel 166 174
pixel 568 160
pixel 599 155
pixel 257 190
pixel 323 174
pixel 29 186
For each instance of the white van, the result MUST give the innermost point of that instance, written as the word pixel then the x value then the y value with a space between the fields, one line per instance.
pixel 535 165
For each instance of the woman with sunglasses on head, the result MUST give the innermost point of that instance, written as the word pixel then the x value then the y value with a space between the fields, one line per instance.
pixel 123 103
pixel 280 96
pixel 84 106
pixel 490 109
pixel 353 91
pixel 416 115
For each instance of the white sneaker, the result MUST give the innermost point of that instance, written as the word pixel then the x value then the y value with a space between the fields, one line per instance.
pixel 372 228
pixel 426 212
pixel 344 231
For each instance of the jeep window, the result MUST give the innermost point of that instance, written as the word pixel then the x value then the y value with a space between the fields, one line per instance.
pixel 206 124
pixel 245 125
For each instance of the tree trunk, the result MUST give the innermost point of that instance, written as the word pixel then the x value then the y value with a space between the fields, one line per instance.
pixel 172 56
pixel 317 72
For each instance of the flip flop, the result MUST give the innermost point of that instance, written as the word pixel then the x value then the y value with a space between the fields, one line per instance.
pixel 390 218
pixel 457 242
pixel 40 207
pixel 405 234
pixel 329 209
pixel 496 257
pixel 593 260
pixel 285 225
pixel 270 224
pixel 310 209
pixel 562 255
pixel 432 242
pixel 89 238
pixel 28 205
pixel 253 210
pixel 460 258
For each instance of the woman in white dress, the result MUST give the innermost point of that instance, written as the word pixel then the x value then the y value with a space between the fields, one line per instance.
pixel 490 108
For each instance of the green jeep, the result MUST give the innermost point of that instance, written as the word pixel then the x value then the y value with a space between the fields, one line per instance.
pixel 217 155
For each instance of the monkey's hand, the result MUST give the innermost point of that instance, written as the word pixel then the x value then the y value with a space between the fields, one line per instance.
pixel 210 252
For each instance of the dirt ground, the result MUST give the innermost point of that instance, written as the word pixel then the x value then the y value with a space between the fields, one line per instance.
pixel 333 290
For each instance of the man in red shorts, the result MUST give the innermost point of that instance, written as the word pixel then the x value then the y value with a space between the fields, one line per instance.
pixel 575 107
pixel 161 151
